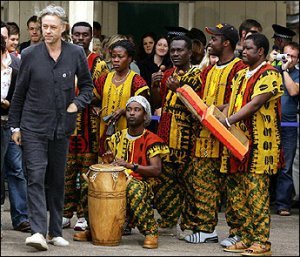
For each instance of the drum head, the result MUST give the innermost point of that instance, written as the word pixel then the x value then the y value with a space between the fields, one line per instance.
pixel 106 167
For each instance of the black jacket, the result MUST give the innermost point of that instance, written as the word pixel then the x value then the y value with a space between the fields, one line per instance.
pixel 45 89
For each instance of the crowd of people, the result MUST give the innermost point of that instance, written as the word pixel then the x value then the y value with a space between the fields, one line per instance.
pixel 71 99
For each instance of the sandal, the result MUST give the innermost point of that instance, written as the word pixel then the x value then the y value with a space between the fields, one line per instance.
pixel 284 212
pixel 258 249
pixel 238 247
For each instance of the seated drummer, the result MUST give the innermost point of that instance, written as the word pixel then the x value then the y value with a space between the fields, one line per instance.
pixel 142 160
pixel 139 151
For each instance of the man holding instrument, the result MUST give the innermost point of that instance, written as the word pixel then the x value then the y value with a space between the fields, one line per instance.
pixel 255 108
pixel 173 196
pixel 207 181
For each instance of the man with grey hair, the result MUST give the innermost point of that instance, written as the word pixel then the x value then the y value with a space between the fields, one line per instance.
pixel 139 151
pixel 43 116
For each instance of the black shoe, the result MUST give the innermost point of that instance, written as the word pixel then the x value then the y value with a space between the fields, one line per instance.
pixel 24 227
pixel 126 231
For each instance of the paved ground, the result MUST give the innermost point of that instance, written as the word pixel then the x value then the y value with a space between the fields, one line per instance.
pixel 284 237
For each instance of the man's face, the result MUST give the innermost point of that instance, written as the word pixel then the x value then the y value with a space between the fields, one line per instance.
pixel 82 36
pixel 135 115
pixel 293 55
pixel 250 52
pixel 52 28
pixel 34 30
pixel 179 53
pixel 215 45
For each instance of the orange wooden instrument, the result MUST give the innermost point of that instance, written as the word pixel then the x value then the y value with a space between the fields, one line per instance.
pixel 233 138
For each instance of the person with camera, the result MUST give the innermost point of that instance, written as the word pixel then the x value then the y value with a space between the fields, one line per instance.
pixel 282 36
pixel 289 110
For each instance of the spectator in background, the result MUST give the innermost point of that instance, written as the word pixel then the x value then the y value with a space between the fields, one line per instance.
pixel 289 110
pixel 15 61
pixel 35 33
pixel 97 31
pixel 208 59
pixel 146 47
pixel 248 25
pixel 11 154
pixel 97 47
pixel 198 48
pixel 66 34
pixel 282 36
pixel 176 31
pixel 159 59
pixel 13 39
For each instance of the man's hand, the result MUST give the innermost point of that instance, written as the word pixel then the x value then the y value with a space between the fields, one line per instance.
pixel 156 79
pixel 121 162
pixel 272 56
pixel 5 104
pixel 173 83
pixel 16 137
pixel 108 157
pixel 287 63
pixel 72 108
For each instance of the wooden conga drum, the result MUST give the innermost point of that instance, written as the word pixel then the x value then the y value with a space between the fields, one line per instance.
pixel 106 203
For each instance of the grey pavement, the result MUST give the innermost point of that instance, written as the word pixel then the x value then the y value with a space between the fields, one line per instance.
pixel 284 238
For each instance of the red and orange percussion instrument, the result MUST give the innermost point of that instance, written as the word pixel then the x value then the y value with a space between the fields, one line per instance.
pixel 233 138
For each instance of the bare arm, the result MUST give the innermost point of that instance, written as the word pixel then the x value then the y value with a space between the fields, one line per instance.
pixel 152 170
pixel 250 108
pixel 291 86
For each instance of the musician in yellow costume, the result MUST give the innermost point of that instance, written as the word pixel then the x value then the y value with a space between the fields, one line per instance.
pixel 255 108
pixel 172 191
pixel 116 87
pixel 140 152
pixel 207 180
pixel 83 148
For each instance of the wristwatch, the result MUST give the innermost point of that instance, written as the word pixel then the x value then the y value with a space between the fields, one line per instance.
pixel 135 167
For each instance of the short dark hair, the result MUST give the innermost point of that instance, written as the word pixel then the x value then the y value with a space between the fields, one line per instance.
pixel 187 40
pixel 13 28
pixel 127 45
pixel 33 18
pixel 97 25
pixel 293 45
pixel 260 41
pixel 248 24
pixel 83 24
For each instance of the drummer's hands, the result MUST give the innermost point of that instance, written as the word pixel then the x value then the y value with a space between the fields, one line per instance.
pixel 107 157
pixel 121 162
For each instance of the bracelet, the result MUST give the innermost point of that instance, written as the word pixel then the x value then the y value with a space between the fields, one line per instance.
pixel 227 122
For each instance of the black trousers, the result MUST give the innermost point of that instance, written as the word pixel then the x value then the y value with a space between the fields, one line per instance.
pixel 45 159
